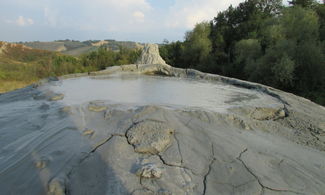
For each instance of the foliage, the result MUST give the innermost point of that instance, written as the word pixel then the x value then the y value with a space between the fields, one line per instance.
pixel 197 45
pixel 102 58
pixel 172 53
pixel 260 41
pixel 247 51
pixel 303 3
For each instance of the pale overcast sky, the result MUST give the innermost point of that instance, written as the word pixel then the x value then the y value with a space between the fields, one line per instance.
pixel 134 20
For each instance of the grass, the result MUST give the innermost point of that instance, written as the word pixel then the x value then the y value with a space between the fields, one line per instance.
pixel 14 74
pixel 6 86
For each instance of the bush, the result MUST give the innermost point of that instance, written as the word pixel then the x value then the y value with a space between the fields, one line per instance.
pixel 102 58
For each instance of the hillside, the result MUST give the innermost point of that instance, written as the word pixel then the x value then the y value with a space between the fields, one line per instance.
pixel 21 65
pixel 76 48
pixel 50 46
pixel 14 66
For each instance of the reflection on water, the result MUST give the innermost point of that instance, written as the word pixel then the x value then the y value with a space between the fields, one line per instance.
pixel 157 90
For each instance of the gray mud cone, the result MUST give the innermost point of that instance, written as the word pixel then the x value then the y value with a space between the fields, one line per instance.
pixel 150 55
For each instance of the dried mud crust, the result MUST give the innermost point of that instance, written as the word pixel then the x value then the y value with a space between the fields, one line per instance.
pixel 216 155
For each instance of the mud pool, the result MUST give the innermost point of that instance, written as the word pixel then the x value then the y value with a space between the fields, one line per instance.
pixel 157 90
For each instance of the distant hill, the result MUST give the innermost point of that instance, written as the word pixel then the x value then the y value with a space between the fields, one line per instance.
pixel 19 52
pixel 76 48
pixel 21 65
pixel 50 46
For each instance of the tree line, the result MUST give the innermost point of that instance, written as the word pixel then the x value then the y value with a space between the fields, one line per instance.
pixel 93 61
pixel 261 41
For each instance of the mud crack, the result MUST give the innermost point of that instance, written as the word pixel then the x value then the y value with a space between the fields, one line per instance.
pixel 87 155
pixel 258 179
pixel 179 148
pixel 209 170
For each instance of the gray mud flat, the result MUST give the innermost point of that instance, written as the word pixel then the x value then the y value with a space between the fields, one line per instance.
pixel 157 90
pixel 192 133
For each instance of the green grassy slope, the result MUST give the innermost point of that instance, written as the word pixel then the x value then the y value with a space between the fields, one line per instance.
pixel 21 65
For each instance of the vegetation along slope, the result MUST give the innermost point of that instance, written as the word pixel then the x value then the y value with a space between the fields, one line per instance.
pixel 21 65
pixel 260 41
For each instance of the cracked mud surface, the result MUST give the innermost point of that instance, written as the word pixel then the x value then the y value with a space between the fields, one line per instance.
pixel 100 147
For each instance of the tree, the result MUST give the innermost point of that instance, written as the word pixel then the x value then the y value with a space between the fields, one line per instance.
pixel 247 51
pixel 270 7
pixel 197 45
pixel 262 41
pixel 300 24
pixel 274 68
pixel 283 71
pixel 303 3
pixel 320 10
pixel 172 53
pixel 310 68
pixel 242 22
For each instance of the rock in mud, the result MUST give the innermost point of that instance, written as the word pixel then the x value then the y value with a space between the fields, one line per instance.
pixel 96 107
pixel 40 164
pixel 56 187
pixel 149 171
pixel 88 132
pixel 57 97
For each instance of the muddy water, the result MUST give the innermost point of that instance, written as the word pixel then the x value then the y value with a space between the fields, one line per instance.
pixel 157 90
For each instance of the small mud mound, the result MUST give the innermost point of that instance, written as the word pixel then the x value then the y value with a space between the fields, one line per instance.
pixel 150 137
pixel 268 114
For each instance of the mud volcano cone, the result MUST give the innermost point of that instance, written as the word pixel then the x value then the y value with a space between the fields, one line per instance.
pixel 150 55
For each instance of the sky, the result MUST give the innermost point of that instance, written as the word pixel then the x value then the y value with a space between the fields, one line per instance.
pixel 124 20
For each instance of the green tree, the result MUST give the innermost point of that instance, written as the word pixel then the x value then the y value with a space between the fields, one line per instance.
pixel 262 41
pixel 247 51
pixel 304 3
pixel 197 45
pixel 283 71
pixel 294 59
pixel 103 57
pixel 242 22
pixel 320 10
pixel 301 26
pixel 172 53
pixel 310 68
